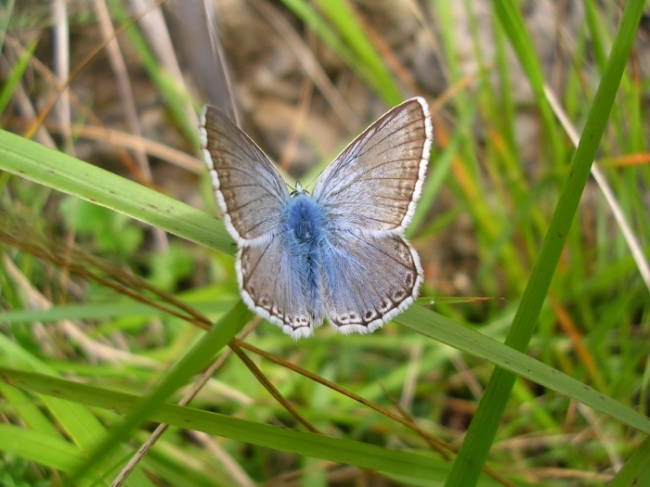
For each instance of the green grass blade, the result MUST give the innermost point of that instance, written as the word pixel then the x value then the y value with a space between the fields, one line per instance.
pixel 305 12
pixel 9 84
pixel 635 472
pixel 486 421
pixel 29 412
pixel 76 420
pixel 349 43
pixel 96 311
pixel 463 338
pixel 47 450
pixel 598 43
pixel 326 447
pixel 196 358
pixel 343 18
pixel 8 9
pixel 84 429
pixel 512 22
pixel 45 166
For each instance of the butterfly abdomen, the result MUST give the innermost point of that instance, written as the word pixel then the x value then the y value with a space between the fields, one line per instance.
pixel 303 222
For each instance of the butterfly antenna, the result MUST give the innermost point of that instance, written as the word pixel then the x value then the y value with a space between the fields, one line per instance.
pixel 314 179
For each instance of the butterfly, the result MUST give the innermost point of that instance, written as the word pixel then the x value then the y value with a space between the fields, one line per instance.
pixel 339 253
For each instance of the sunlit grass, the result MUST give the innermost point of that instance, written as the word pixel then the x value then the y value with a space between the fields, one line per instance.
pixel 563 288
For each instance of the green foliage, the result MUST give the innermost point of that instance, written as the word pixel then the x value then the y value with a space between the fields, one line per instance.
pixel 85 369
pixel 101 225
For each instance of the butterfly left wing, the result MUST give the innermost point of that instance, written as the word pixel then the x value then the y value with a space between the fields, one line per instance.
pixel 368 279
pixel 249 189
pixel 273 284
pixel 374 184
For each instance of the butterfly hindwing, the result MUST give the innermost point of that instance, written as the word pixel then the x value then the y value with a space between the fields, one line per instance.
pixel 368 279
pixel 272 283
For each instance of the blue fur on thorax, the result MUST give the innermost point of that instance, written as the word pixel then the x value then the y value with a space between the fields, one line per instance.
pixel 303 223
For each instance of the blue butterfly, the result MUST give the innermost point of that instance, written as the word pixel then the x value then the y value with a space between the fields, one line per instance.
pixel 339 253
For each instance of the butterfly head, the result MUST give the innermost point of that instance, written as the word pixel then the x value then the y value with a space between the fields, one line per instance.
pixel 298 190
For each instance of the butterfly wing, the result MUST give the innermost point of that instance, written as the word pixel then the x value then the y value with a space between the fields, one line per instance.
pixel 368 196
pixel 250 192
pixel 374 184
pixel 253 198
pixel 368 279
pixel 272 283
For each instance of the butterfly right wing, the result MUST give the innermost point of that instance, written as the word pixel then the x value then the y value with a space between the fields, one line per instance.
pixel 368 279
pixel 250 191
pixel 375 183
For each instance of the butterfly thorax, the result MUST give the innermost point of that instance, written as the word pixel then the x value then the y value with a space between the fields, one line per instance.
pixel 303 219
pixel 303 225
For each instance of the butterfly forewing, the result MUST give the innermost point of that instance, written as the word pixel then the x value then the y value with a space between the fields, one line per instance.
pixel 374 184
pixel 250 191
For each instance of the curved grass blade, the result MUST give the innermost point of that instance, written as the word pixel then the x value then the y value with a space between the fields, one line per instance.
pixel 485 423
pixel 636 471
pixel 330 448
pixel 464 338
pixel 51 168
pixel 196 358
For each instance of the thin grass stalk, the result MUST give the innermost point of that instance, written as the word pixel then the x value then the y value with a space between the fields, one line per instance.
pixel 485 423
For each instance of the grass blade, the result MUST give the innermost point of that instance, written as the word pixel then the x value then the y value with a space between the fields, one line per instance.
pixel 485 423
pixel 195 359
pixel 340 450
pixel 51 168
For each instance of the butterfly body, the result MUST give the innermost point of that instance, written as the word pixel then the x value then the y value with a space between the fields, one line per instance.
pixel 339 253
pixel 304 232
